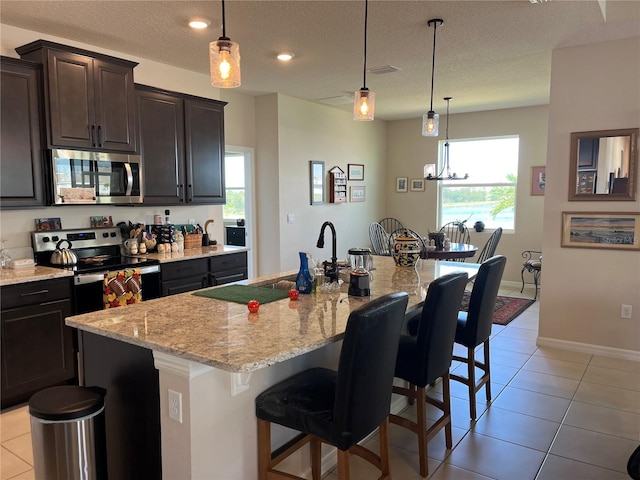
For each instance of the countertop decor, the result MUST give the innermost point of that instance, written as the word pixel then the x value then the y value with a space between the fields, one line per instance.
pixel 243 293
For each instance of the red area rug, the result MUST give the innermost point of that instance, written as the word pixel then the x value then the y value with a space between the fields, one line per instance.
pixel 507 308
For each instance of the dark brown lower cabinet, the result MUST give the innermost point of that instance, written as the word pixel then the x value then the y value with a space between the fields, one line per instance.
pixel 37 348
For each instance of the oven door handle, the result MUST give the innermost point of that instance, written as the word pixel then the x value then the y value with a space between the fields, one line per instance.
pixel 86 278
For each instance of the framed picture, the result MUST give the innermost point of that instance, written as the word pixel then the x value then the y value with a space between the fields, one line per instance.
pixel 417 185
pixel 614 231
pixel 357 194
pixel 355 171
pixel 586 183
pixel 46 224
pixel 316 182
pixel 538 180
pixel 401 184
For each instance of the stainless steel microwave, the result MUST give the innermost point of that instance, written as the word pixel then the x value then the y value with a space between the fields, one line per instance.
pixel 95 177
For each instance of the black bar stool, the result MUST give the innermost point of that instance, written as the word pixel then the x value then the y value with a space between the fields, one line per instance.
pixel 425 357
pixel 339 408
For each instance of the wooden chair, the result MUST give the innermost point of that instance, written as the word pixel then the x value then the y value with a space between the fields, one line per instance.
pixel 532 264
pixel 390 224
pixel 426 356
pixel 457 232
pixel 339 408
pixel 489 249
pixel 379 239
pixel 474 328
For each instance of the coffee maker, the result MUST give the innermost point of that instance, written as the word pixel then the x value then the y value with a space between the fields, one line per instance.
pixel 360 277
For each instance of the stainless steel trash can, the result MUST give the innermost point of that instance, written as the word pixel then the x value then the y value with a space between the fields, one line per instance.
pixel 67 433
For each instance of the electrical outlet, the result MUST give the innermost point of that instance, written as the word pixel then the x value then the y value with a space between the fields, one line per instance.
pixel 192 221
pixel 175 406
pixel 291 218
pixel 625 311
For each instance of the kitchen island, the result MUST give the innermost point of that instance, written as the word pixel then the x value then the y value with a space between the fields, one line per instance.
pixel 218 358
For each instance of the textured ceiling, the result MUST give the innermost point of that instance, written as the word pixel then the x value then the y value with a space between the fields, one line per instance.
pixel 490 54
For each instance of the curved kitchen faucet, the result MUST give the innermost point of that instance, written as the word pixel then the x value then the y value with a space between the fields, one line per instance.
pixel 332 272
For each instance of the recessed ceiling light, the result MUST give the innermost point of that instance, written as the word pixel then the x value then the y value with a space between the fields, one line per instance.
pixel 285 57
pixel 199 23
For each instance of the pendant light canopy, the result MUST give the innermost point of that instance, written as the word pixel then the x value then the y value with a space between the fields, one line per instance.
pixel 364 103
pixel 224 60
pixel 431 119
pixel 430 168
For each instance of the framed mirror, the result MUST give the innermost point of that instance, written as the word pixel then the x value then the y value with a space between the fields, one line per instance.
pixel 604 165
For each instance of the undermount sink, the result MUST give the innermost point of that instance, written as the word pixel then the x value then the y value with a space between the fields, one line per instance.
pixel 281 283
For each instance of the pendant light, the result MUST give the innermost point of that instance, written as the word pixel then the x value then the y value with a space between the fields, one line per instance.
pixel 430 168
pixel 431 119
pixel 364 103
pixel 224 60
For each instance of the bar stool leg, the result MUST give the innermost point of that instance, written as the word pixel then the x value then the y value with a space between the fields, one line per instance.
pixel 343 465
pixel 421 412
pixel 264 448
pixel 383 436
pixel 316 462
pixel 471 375
pixel 487 370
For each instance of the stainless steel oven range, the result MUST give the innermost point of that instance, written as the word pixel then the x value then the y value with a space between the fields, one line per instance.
pixel 97 252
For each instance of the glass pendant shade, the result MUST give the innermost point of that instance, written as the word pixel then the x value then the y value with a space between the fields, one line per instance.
pixel 224 60
pixel 364 105
pixel 430 123
pixel 429 170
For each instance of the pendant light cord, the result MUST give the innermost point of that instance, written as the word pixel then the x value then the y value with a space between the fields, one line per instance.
pixel 433 62
pixel 364 69
pixel 224 34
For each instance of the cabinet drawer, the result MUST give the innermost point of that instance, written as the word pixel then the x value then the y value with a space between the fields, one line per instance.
pixel 35 292
pixel 184 269
pixel 174 287
pixel 232 261
pixel 227 277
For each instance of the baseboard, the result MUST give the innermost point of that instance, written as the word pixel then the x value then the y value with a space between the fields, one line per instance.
pixel 633 355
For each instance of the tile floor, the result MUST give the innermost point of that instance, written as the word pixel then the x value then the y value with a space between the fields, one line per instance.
pixel 555 415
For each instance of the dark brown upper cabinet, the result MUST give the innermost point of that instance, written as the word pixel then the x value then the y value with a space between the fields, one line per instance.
pixel 182 147
pixel 89 97
pixel 21 152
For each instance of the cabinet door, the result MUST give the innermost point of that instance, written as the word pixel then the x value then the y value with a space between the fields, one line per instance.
pixel 204 141
pixel 71 100
pixel 161 126
pixel 115 107
pixel 21 155
pixel 37 349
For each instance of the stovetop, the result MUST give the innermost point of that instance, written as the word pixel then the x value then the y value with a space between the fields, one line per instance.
pixel 97 249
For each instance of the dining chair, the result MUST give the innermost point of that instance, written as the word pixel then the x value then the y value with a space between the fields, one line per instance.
pixel 407 232
pixel 379 239
pixel 338 407
pixel 489 249
pixel 532 264
pixel 457 232
pixel 425 357
pixel 390 224
pixel 474 328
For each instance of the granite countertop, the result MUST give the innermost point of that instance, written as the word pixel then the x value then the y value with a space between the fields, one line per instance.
pixel 226 336
pixel 191 253
pixel 13 276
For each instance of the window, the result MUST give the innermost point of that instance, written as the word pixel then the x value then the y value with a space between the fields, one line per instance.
pixel 234 186
pixel 489 194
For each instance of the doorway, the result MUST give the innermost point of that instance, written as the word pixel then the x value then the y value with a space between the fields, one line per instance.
pixel 239 186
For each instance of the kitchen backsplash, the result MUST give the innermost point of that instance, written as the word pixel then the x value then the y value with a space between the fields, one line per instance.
pixel 16 225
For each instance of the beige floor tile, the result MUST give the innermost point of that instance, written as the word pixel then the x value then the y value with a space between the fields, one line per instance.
pixel 11 465
pixel 14 423
pixel 554 366
pixel 544 383
pixel 616 364
pixel 613 378
pixel 520 333
pixel 604 420
pixel 21 447
pixel 555 468
pixel 569 356
pixel 495 458
pixel 595 448
pixel 606 396
pixel 536 404
pixel 500 374
pixel 527 319
pixel 514 344
pixel 451 472
pixel 517 428
pixel 506 357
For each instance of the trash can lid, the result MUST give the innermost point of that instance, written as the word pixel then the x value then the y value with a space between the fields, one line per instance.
pixel 67 402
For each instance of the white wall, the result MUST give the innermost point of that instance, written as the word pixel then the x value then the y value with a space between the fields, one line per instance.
pixel 593 87
pixel 408 151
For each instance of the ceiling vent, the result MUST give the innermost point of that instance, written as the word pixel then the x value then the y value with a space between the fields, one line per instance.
pixel 341 100
pixel 384 69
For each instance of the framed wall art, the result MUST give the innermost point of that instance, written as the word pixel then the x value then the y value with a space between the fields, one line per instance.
pixel 613 231
pixel 538 180
pixel 316 182
pixel 357 194
pixel 355 171
pixel 417 185
pixel 401 184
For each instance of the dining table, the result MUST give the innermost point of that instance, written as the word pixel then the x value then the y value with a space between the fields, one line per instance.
pixel 455 251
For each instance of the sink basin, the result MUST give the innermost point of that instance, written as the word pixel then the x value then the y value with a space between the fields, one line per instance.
pixel 282 283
